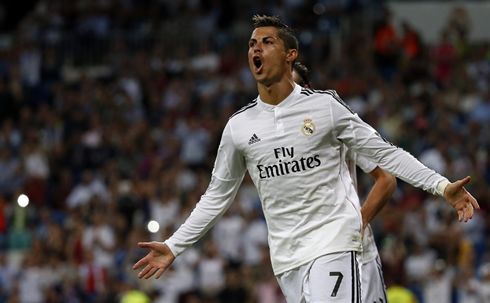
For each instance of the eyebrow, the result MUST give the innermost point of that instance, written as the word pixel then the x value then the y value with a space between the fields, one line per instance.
pixel 265 38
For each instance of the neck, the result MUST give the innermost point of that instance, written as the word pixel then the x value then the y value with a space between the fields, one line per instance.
pixel 276 92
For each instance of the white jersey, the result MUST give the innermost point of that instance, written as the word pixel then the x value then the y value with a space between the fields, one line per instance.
pixel 294 153
pixel 369 250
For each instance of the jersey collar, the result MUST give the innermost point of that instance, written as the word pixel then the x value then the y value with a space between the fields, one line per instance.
pixel 285 103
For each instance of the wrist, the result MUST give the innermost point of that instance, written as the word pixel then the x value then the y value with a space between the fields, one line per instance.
pixel 441 187
pixel 365 220
pixel 172 248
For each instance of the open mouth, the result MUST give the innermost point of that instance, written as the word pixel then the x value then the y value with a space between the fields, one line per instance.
pixel 257 65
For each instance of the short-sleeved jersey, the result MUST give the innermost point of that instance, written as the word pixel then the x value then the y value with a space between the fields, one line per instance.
pixel 369 250
pixel 294 153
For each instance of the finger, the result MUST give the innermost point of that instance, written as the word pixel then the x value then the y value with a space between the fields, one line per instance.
pixel 460 215
pixel 466 214
pixel 475 203
pixel 160 273
pixel 145 244
pixel 463 182
pixel 471 210
pixel 141 262
pixel 473 200
pixel 144 271
pixel 151 273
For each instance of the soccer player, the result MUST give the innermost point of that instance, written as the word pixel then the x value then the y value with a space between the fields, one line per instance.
pixel 373 287
pixel 292 141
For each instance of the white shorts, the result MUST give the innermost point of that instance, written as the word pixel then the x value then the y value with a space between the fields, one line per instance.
pixel 373 285
pixel 329 278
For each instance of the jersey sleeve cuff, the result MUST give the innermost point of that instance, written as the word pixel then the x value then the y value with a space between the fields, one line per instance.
pixel 172 248
pixel 370 168
pixel 441 186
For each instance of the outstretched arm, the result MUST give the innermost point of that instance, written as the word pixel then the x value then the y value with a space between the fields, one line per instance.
pixel 229 170
pixel 379 195
pixel 364 140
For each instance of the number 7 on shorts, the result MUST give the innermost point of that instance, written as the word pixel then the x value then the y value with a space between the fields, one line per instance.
pixel 340 276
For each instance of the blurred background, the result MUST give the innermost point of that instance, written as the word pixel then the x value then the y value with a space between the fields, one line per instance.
pixel 111 112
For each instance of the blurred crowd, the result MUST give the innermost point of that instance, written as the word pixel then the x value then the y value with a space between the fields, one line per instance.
pixel 102 150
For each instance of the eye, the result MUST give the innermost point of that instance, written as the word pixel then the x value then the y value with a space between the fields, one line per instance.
pixel 251 44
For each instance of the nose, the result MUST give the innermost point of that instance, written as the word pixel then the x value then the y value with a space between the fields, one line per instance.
pixel 256 48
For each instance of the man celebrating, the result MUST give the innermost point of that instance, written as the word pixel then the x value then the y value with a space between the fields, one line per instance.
pixel 291 141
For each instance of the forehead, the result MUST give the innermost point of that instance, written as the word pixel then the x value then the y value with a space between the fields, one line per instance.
pixel 267 31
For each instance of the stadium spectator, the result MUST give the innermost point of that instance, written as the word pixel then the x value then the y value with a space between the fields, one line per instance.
pixel 444 56
pixel 481 111
pixel 12 176
pixel 438 283
pixel 386 47
pixel 410 41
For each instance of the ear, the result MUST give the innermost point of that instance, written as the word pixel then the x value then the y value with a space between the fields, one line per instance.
pixel 291 55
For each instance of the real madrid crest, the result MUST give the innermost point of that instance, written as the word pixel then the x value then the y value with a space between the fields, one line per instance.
pixel 308 127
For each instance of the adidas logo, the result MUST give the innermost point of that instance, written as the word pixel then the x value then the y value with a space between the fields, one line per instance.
pixel 253 140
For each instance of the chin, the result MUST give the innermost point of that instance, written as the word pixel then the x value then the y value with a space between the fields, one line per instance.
pixel 265 82
pixel 259 77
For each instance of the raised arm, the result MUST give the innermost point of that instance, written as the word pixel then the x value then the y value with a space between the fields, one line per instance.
pixel 227 176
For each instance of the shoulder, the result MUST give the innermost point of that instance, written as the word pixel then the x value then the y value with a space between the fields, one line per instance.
pixel 317 92
pixel 244 109
pixel 329 96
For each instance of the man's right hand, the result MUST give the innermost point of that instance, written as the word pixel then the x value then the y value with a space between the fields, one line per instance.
pixel 157 260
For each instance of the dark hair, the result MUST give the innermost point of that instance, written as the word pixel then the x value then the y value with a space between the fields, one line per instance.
pixel 303 73
pixel 285 32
